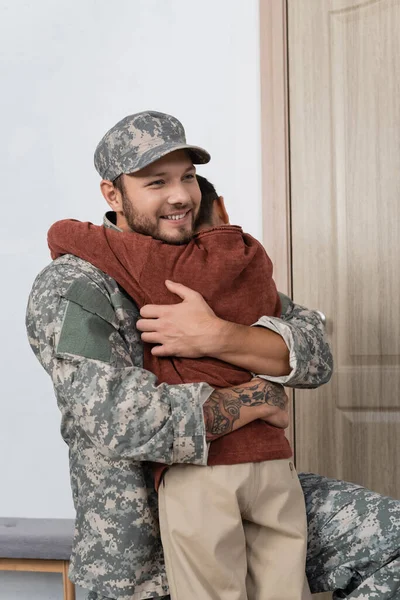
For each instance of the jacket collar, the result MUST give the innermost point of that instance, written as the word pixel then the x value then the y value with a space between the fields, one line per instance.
pixel 110 220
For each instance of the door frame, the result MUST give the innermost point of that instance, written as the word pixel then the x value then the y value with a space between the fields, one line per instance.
pixel 275 177
pixel 275 139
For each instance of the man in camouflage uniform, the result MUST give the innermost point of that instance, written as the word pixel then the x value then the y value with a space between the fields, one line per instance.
pixel 82 328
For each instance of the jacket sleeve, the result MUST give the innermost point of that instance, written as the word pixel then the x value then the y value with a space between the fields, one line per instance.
pixel 121 254
pixel 75 330
pixel 304 333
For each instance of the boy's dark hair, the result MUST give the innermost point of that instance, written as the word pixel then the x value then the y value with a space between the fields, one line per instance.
pixel 208 196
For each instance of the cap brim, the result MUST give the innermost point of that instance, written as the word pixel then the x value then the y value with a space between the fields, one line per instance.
pixel 198 155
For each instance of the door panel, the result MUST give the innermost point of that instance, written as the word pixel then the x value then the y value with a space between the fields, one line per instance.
pixel 344 99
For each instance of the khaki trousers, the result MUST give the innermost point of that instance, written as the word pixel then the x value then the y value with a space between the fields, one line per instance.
pixel 234 532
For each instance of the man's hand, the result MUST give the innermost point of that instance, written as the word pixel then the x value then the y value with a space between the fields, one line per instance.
pixel 229 409
pixel 191 329
pixel 183 329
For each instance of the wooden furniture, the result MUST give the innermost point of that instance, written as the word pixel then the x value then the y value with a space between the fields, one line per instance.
pixel 41 545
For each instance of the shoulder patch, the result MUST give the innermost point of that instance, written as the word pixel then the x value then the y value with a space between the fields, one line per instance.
pixel 88 323
pixel 92 300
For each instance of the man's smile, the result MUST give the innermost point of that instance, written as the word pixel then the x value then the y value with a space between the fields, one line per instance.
pixel 177 217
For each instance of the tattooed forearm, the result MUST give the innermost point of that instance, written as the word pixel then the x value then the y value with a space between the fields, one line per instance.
pixel 275 395
pixel 222 409
pixel 220 413
pixel 263 392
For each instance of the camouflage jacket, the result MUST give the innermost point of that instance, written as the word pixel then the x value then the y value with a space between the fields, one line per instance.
pixel 81 327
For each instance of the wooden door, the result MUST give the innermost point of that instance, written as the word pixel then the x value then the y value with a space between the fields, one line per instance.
pixel 344 139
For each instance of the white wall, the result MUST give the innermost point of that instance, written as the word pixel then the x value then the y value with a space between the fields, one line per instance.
pixel 69 70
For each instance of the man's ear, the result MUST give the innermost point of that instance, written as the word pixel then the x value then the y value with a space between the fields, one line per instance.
pixel 220 210
pixel 111 195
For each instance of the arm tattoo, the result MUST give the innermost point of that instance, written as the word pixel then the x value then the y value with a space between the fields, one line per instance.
pixel 222 409
pixel 265 392
pixel 275 395
pixel 220 412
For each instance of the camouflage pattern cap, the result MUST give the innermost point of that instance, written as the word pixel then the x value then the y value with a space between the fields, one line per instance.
pixel 139 140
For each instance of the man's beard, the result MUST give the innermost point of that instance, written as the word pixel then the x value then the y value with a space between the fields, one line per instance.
pixel 141 224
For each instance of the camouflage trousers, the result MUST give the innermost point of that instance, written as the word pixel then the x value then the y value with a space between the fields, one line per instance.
pixel 353 541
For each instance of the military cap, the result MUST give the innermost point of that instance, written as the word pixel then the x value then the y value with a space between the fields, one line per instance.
pixel 139 140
